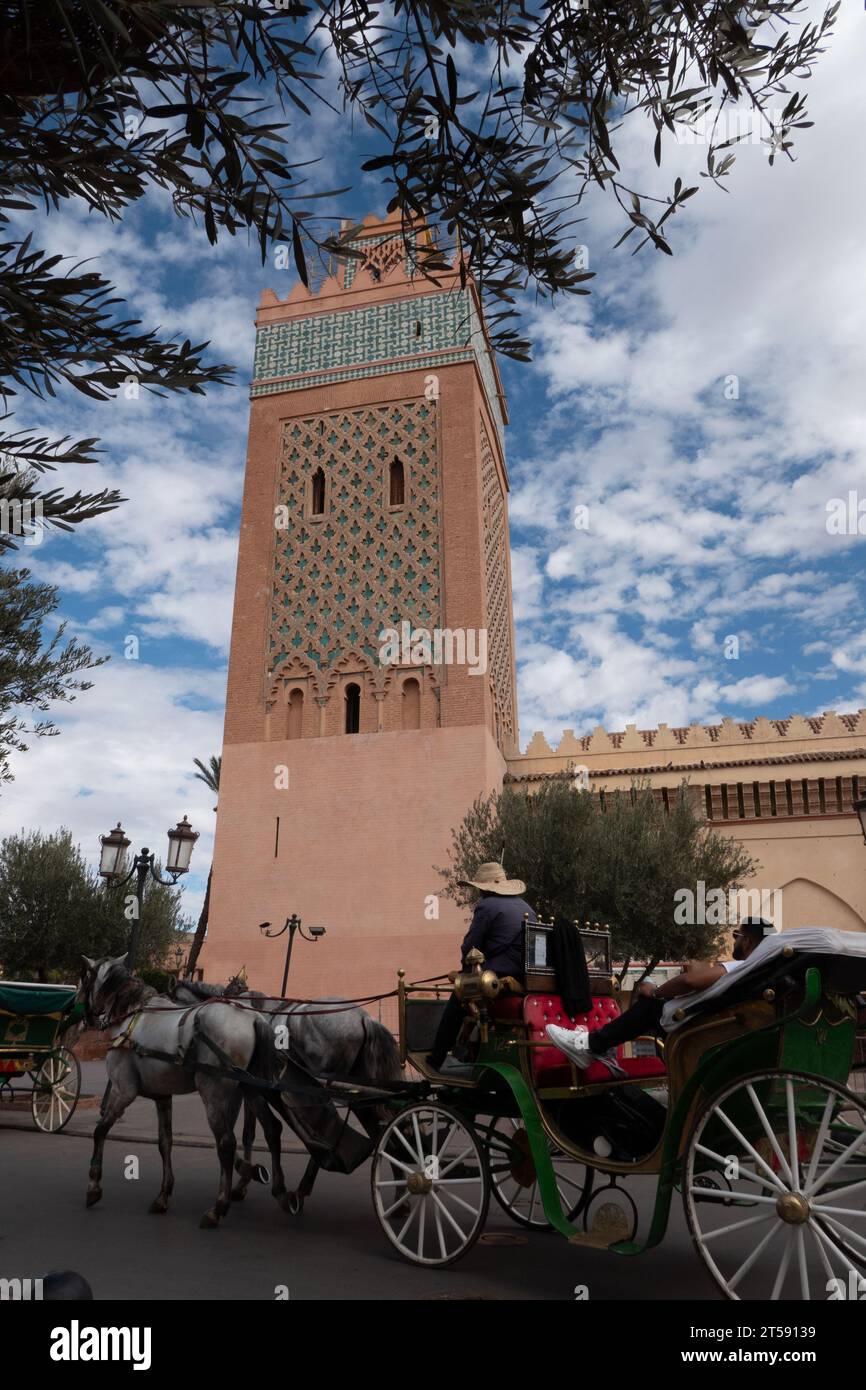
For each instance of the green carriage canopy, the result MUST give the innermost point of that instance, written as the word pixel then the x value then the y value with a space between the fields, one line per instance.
pixel 17 997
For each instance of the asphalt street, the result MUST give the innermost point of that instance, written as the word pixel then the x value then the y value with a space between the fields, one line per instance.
pixel 334 1251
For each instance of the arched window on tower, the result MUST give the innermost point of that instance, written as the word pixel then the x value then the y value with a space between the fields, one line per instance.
pixel 295 715
pixel 353 709
pixel 396 484
pixel 317 496
pixel 410 701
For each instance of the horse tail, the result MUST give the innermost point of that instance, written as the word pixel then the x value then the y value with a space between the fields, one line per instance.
pixel 266 1065
pixel 381 1053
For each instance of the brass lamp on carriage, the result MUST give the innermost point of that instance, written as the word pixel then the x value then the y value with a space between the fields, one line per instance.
pixel 476 988
pixel 112 863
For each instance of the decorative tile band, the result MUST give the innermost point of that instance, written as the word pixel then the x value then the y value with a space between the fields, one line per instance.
pixel 273 388
pixel 348 344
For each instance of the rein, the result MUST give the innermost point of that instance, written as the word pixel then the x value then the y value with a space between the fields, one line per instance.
pixel 344 1006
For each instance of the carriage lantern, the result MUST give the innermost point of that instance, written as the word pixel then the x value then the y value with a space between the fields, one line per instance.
pixel 180 843
pixel 114 847
pixel 860 808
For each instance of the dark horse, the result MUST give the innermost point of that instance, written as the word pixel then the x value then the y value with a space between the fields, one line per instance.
pixel 328 1037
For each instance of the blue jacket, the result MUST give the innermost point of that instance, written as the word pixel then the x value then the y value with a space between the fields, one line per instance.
pixel 496 930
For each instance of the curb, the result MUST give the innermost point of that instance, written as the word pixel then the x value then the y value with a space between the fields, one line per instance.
pixel 179 1141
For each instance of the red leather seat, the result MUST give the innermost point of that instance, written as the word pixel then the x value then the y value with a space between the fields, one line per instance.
pixel 549 1065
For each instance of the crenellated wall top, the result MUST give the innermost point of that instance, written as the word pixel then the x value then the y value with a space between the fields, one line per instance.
pixel 749 739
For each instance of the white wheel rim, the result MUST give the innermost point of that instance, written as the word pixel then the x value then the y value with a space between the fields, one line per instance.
pixel 53 1107
pixel 794 1220
pixel 522 1201
pixel 430 1185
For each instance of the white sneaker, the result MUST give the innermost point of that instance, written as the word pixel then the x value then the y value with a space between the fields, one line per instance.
pixel 574 1042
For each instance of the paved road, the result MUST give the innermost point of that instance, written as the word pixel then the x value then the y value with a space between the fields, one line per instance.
pixel 334 1251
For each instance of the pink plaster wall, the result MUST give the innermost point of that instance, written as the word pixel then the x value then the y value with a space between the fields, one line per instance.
pixel 363 822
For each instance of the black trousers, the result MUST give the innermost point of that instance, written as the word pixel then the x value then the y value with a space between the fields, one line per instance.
pixel 447 1033
pixel 644 1016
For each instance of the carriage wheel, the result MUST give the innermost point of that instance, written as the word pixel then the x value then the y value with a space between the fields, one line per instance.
pixel 792 1222
pixel 515 1182
pixel 430 1184
pixel 56 1088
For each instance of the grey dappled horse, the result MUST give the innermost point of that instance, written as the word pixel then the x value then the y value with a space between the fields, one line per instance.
pixel 116 1000
pixel 329 1038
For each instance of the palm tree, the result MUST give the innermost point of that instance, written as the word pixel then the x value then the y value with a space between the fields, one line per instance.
pixel 210 775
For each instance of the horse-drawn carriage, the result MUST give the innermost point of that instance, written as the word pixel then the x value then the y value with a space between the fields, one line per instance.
pixel 744 1110
pixel 33 1021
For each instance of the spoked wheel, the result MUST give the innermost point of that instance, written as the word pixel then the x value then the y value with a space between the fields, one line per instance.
pixel 56 1088
pixel 791 1221
pixel 515 1181
pixel 430 1184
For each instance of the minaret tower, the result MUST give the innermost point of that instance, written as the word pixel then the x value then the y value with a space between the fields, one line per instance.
pixel 371 689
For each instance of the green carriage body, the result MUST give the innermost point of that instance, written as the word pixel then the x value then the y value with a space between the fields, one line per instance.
pixel 33 1021
pixel 770 1047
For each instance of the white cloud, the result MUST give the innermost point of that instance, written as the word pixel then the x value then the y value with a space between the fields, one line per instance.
pixel 707 515
pixel 126 753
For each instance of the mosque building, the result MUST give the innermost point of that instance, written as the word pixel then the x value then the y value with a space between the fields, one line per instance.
pixel 371 688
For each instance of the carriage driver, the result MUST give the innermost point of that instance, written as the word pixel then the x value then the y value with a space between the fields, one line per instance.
pixel 496 930
pixel 644 1016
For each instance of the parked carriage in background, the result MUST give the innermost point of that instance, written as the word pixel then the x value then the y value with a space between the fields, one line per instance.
pixel 745 1111
pixel 34 1019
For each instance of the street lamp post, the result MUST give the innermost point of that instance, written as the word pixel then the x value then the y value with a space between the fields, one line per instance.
pixel 292 925
pixel 112 862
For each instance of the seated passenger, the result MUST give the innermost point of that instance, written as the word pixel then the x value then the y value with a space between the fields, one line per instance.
pixel 585 1047
pixel 496 930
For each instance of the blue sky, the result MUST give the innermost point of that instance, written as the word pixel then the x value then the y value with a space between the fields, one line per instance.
pixel 707 515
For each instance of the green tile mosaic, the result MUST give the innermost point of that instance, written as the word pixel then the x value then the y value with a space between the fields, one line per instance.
pixel 407 580
pixel 350 344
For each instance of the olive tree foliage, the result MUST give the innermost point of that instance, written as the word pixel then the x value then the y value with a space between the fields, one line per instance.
pixel 207 100
pixel 54 908
pixel 34 672
pixel 619 862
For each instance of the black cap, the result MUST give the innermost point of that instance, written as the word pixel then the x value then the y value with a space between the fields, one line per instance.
pixel 757 926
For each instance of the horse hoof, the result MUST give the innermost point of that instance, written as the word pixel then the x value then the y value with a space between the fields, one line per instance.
pixel 209 1221
pixel 292 1203
pixel 158 1207
pixel 238 1193
pixel 93 1195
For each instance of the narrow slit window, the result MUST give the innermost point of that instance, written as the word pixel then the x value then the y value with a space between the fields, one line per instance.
pixel 295 718
pixel 397 484
pixel 411 704
pixel 353 709
pixel 317 505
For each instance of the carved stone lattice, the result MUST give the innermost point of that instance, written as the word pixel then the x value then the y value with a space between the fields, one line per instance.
pixel 383 255
pixel 362 566
pixel 497 598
